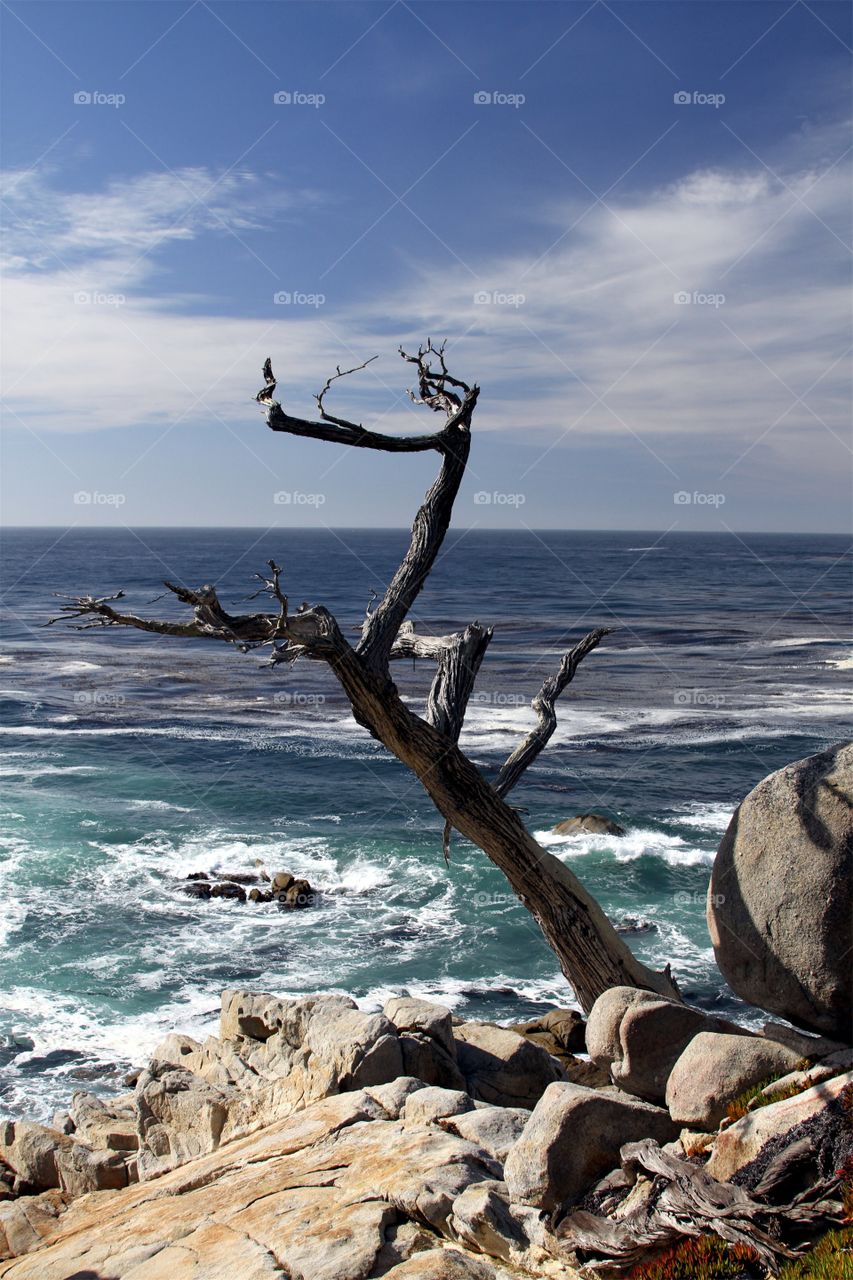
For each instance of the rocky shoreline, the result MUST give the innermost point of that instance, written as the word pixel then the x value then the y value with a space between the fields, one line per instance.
pixel 313 1140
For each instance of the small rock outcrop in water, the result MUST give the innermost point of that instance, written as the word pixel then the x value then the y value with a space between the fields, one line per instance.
pixel 780 902
pixel 299 1142
pixel 591 823
pixel 288 892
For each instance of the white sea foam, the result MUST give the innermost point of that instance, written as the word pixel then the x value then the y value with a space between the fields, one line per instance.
pixel 77 668
pixel 637 843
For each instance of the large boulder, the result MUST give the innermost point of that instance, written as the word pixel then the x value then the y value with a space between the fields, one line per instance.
pixel 638 1036
pixel 573 1137
pixel 715 1068
pixel 502 1067
pixel 779 902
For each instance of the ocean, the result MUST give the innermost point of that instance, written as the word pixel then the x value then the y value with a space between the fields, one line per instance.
pixel 132 760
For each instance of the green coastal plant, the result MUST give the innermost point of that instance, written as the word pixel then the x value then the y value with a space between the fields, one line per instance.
pixel 710 1258
pixel 739 1106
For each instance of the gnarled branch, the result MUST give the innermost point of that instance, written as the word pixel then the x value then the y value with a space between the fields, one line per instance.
pixel 544 706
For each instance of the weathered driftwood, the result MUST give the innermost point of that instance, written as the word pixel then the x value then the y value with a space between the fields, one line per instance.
pixel 684 1201
pixel 591 954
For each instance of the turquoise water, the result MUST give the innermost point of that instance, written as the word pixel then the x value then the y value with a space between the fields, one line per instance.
pixel 132 760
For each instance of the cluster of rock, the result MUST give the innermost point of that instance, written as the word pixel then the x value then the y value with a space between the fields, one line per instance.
pixel 286 890
pixel 312 1138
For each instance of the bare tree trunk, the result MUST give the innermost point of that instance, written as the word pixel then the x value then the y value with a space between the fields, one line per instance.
pixel 590 953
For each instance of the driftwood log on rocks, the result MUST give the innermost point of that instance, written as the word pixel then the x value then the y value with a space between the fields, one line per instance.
pixel 685 1201
pixel 591 954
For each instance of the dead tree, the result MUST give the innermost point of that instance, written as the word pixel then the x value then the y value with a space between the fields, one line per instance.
pixel 591 954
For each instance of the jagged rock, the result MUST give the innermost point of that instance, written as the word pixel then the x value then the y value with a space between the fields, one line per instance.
pixel 743 1141
pixel 298 894
pixel 181 1116
pixel 392 1097
pixel 197 889
pixel 780 901
pixel 44 1159
pixel 109 1125
pixel 590 823
pixel 715 1068
pixel 560 1032
pixel 495 1129
pixel 259 895
pixel 483 1220
pixel 501 1067
pixel 26 1222
pixel 572 1138
pixel 433 1020
pixel 430 1104
pixel 426 1041
pixel 281 882
pixel 638 1036
pixel 226 889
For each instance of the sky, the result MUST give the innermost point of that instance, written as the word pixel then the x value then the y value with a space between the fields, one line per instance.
pixel 630 222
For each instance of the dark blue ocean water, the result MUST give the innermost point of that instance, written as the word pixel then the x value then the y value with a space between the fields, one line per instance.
pixel 132 760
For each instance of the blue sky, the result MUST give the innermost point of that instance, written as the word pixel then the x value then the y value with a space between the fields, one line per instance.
pixel 652 292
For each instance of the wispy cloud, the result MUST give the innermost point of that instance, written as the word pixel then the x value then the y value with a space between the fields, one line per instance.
pixel 599 346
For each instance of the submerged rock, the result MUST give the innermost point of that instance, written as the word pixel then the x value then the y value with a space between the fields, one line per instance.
pixel 780 901
pixel 588 823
